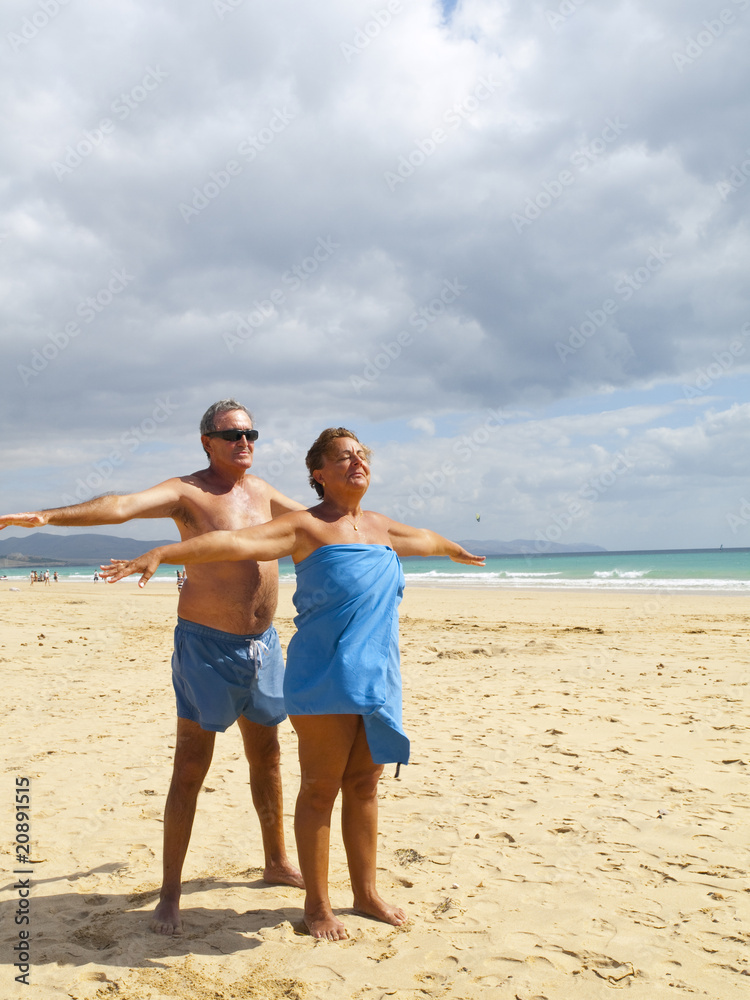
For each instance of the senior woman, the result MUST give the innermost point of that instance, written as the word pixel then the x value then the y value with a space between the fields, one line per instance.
pixel 342 686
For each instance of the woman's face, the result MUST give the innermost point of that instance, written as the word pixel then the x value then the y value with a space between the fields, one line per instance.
pixel 344 466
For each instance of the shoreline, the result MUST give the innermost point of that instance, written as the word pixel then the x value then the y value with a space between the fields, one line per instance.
pixel 656 589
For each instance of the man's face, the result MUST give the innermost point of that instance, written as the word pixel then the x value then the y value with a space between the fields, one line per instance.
pixel 235 453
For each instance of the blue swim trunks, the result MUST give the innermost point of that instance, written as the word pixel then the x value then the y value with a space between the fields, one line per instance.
pixel 219 676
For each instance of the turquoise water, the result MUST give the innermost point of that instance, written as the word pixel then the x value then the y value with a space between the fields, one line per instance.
pixel 683 570
pixel 699 570
pixel 80 574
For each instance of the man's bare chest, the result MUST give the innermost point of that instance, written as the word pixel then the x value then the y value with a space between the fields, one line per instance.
pixel 225 512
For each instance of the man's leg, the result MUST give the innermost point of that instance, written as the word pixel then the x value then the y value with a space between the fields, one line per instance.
pixel 263 756
pixel 192 757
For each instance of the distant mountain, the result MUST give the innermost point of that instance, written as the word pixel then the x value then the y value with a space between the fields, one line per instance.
pixel 525 547
pixel 90 549
pixel 72 550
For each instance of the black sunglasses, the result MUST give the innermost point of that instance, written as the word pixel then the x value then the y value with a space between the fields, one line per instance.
pixel 235 434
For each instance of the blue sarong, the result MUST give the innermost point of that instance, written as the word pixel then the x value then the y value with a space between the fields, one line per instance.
pixel 344 657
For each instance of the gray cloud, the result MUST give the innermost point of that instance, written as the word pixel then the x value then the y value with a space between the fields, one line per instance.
pixel 341 217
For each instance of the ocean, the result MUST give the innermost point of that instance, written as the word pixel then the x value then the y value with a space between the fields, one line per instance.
pixel 681 570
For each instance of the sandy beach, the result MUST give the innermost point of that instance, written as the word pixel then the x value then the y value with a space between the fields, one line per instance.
pixel 574 820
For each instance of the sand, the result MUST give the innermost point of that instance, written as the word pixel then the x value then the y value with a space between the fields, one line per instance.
pixel 574 822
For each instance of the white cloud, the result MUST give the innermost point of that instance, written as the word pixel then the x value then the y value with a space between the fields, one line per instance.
pixel 281 140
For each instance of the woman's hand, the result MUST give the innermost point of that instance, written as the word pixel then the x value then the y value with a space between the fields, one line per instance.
pixel 466 557
pixel 146 565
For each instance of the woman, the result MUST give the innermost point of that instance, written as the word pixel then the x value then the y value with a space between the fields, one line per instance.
pixel 342 686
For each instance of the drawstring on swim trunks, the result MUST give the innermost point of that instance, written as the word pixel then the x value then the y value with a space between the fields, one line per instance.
pixel 256 648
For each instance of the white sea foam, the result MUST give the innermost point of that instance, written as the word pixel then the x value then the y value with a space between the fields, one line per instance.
pixel 621 574
pixel 632 582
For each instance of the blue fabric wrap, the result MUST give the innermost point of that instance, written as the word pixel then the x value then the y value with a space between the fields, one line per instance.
pixel 344 657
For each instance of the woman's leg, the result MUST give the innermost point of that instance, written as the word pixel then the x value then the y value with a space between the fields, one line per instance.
pixel 325 742
pixel 359 825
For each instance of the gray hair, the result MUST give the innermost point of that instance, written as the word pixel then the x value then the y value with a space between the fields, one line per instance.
pixel 208 420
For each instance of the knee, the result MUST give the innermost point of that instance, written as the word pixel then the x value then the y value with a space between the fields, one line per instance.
pixel 189 772
pixel 363 787
pixel 318 794
pixel 264 750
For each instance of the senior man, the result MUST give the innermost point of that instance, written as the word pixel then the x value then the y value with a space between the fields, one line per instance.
pixel 227 664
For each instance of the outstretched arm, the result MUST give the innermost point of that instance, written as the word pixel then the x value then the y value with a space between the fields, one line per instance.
pixel 272 540
pixel 159 501
pixel 408 541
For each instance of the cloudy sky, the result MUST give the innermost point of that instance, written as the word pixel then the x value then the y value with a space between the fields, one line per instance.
pixel 505 241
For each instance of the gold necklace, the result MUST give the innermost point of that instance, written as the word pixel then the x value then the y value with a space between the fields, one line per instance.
pixel 347 518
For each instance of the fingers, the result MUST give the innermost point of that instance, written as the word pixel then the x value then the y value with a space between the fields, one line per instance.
pixel 27 519
pixel 117 570
pixel 469 559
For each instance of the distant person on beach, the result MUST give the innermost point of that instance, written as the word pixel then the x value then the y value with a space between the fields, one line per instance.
pixel 227 665
pixel 343 684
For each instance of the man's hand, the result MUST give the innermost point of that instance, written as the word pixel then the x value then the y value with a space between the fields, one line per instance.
pixel 146 565
pixel 29 519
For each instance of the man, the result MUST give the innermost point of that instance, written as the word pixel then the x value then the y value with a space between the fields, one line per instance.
pixel 227 665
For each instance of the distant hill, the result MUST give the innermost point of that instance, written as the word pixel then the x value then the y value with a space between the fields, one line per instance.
pixel 72 550
pixel 91 549
pixel 524 547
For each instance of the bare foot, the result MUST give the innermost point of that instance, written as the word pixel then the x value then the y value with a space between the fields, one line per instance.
pixel 166 918
pixel 325 926
pixel 380 910
pixel 283 873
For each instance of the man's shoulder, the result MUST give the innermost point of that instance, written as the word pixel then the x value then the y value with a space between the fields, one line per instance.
pixel 192 479
pixel 253 482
